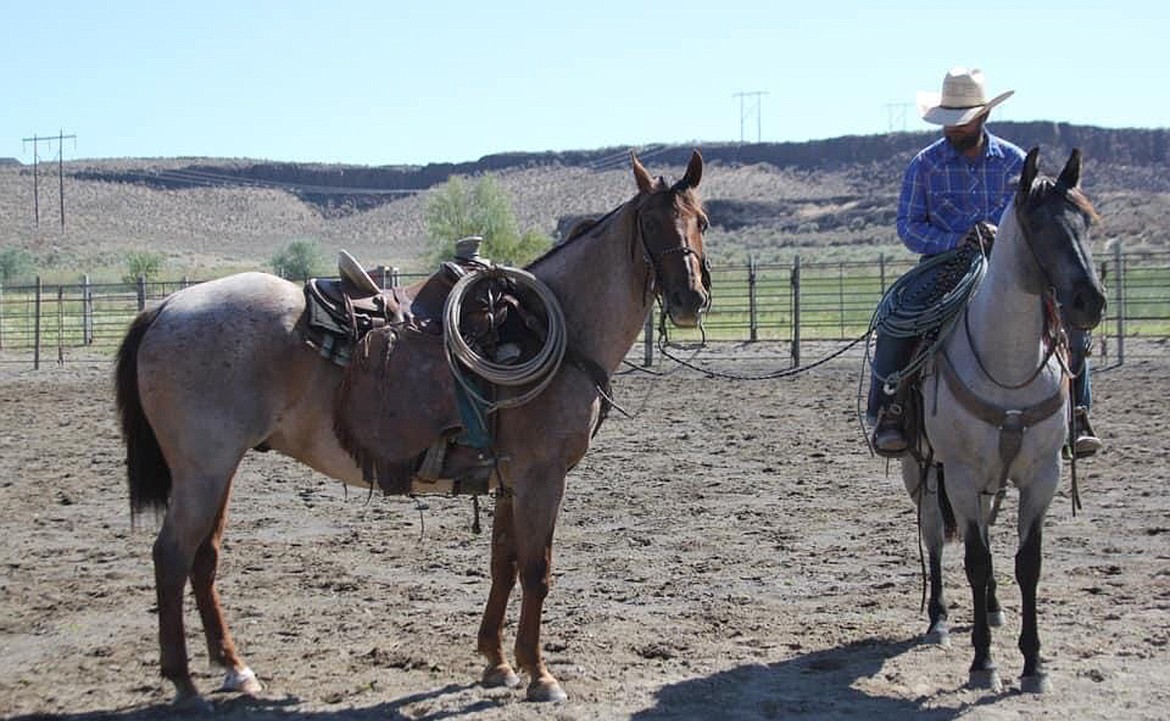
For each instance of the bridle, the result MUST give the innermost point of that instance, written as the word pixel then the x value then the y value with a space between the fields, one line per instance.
pixel 654 283
pixel 1054 336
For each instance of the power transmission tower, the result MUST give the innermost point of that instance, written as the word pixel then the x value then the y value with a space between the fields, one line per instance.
pixel 36 140
pixel 896 117
pixel 745 107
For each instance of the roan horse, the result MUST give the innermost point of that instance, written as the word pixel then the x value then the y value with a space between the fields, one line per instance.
pixel 996 405
pixel 220 368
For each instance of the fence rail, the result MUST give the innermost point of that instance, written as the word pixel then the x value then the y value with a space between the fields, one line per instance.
pixel 795 304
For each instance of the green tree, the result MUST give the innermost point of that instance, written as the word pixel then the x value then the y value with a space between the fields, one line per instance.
pixel 16 264
pixel 144 263
pixel 456 211
pixel 299 259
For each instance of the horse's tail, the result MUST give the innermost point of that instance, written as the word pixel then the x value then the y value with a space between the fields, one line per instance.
pixel 950 526
pixel 146 468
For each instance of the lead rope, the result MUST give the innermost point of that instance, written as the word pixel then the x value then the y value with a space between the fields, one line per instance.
pixel 1072 455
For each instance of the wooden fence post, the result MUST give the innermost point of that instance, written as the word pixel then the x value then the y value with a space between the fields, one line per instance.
pixel 141 292
pixel 795 283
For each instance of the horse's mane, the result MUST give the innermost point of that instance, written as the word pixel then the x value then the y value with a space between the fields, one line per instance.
pixel 684 197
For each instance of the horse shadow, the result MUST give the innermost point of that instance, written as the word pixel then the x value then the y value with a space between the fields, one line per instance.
pixel 450 701
pixel 818 685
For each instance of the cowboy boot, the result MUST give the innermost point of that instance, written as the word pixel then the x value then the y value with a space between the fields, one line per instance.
pixel 1085 441
pixel 889 434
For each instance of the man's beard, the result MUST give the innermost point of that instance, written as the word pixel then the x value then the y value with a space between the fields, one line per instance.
pixel 963 143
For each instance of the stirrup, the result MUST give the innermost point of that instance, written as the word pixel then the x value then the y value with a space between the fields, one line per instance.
pixel 1085 442
pixel 889 437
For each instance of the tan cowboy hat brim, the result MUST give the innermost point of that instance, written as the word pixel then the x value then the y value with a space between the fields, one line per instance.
pixel 932 112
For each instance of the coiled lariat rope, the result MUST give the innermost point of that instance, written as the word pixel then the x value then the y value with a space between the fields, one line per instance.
pixel 538 370
pixel 925 303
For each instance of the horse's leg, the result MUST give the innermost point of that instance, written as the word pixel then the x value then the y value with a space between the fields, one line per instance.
pixel 221 650
pixel 491 630
pixel 933 527
pixel 189 520
pixel 1034 501
pixel 977 561
pixel 536 508
pixel 928 494
pixel 995 615
pixel 171 566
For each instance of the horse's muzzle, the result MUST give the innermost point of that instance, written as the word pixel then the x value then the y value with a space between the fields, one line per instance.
pixel 1086 308
pixel 686 306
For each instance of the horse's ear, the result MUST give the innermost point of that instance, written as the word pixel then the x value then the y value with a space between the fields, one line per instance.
pixel 1031 168
pixel 1070 177
pixel 641 177
pixel 694 170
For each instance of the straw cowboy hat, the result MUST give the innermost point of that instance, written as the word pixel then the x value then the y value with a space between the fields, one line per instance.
pixel 962 99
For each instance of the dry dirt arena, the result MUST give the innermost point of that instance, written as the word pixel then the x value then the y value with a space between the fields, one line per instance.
pixel 730 551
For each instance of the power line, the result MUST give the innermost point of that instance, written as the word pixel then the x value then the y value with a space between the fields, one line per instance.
pixel 744 108
pixel 36 140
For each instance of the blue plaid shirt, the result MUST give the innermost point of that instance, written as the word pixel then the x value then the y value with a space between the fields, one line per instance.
pixel 944 193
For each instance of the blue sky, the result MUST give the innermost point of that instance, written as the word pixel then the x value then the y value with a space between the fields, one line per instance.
pixel 398 82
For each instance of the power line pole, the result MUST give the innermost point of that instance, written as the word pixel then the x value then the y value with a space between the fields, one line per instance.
pixel 896 117
pixel 744 108
pixel 36 140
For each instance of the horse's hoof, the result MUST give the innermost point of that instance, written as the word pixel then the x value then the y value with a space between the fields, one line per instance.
pixel 243 681
pixel 546 691
pixel 501 676
pixel 938 638
pixel 995 619
pixel 985 679
pixel 938 635
pixel 1036 683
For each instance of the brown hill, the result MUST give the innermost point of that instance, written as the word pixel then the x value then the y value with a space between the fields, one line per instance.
pixel 823 199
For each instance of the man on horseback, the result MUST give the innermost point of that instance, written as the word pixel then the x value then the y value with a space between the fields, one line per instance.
pixel 953 194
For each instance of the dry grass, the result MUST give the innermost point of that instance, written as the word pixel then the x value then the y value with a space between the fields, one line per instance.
pixel 211 231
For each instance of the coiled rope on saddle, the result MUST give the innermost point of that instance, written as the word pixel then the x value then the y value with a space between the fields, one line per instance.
pixel 538 370
pixel 925 302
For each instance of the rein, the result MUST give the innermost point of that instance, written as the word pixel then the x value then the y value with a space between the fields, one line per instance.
pixel 1053 337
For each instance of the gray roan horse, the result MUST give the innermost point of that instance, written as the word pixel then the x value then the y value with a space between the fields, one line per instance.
pixel 220 368
pixel 995 404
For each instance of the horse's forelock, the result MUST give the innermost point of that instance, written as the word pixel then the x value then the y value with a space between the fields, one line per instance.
pixel 1043 186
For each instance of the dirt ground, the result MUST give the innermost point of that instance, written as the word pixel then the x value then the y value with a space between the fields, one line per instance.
pixel 731 551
